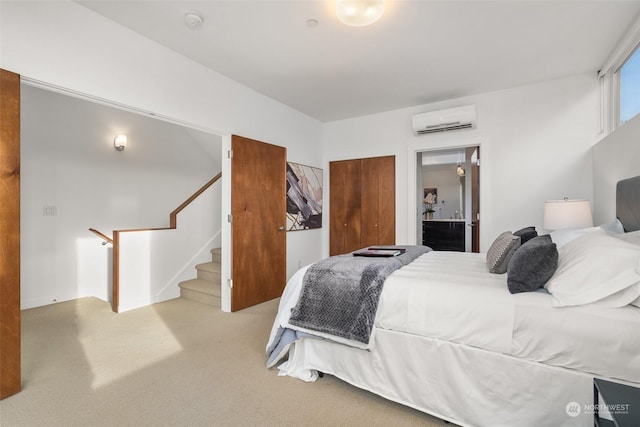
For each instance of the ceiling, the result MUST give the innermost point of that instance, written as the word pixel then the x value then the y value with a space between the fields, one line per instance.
pixel 418 52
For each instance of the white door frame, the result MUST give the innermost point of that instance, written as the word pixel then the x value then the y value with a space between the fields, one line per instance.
pixel 440 143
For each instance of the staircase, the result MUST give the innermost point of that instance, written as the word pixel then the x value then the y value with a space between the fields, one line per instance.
pixel 206 288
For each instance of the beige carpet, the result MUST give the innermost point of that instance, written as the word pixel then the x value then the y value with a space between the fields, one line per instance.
pixel 178 363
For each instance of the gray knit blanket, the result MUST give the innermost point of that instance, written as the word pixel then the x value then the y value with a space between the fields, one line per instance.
pixel 340 294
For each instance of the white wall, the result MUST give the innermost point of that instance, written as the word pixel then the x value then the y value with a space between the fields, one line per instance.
pixel 153 263
pixel 64 44
pixel 534 145
pixel 616 157
pixel 68 162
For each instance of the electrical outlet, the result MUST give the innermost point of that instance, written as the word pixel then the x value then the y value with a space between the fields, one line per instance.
pixel 49 211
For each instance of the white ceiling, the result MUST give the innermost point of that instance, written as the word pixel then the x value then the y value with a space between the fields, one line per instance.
pixel 419 52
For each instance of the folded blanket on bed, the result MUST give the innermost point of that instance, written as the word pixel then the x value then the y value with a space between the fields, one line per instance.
pixel 340 294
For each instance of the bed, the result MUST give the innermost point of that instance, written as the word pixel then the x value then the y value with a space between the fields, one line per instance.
pixel 451 340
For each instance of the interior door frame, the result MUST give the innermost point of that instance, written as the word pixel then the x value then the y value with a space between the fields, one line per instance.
pixel 433 143
pixel 10 307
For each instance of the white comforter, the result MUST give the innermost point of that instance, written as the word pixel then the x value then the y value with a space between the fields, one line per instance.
pixel 451 296
pixel 417 298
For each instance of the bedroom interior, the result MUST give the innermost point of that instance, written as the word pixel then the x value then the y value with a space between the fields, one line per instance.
pixel 564 125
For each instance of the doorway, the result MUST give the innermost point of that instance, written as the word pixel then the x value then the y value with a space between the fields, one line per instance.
pixel 448 198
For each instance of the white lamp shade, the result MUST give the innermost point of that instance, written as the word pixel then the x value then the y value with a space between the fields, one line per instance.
pixel 359 13
pixel 567 213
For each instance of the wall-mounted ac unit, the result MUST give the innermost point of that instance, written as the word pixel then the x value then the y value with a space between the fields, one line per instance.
pixel 445 120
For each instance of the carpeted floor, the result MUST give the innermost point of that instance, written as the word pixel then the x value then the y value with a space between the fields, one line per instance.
pixel 177 363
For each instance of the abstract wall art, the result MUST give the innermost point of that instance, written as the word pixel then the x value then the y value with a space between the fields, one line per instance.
pixel 304 197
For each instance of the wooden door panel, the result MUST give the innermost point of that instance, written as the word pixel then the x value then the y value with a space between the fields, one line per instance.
pixel 258 205
pixel 344 206
pixel 386 200
pixel 369 199
pixel 10 376
pixel 378 201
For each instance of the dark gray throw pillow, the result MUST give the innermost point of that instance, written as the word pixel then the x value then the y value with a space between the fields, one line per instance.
pixel 526 234
pixel 532 265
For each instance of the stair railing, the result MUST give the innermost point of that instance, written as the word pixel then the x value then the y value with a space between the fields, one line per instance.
pixel 105 239
pixel 115 300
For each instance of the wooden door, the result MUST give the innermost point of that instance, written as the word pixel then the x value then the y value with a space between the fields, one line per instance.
pixel 475 197
pixel 378 201
pixel 10 376
pixel 258 208
pixel 344 206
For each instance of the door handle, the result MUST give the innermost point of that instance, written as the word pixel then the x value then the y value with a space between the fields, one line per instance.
pixel 472 224
pixel 281 228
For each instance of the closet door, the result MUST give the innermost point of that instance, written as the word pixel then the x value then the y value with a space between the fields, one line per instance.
pixel 378 199
pixel 344 206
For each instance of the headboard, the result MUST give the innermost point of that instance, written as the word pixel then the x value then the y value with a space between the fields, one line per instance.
pixel 628 203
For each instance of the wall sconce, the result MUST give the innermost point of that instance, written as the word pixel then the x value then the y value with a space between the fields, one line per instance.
pixel 120 142
pixel 359 13
pixel 567 213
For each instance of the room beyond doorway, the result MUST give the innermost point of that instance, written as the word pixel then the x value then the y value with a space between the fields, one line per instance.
pixel 448 194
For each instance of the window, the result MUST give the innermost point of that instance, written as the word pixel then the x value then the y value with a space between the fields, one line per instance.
pixel 629 84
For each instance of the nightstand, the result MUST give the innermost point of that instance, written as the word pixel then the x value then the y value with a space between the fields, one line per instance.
pixel 622 400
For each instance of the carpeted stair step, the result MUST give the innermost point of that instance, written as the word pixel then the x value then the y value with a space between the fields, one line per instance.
pixel 206 288
pixel 216 255
pixel 209 271
pixel 203 291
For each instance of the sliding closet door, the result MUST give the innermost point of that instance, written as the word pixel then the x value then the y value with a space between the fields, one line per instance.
pixel 9 234
pixel 362 203
pixel 378 201
pixel 344 206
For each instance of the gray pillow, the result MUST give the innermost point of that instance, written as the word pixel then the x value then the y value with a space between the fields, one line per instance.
pixel 526 234
pixel 532 265
pixel 501 251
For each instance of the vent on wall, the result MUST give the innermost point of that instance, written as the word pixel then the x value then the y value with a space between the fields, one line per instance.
pixel 445 120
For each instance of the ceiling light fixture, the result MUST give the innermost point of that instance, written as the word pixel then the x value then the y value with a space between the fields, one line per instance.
pixel 193 21
pixel 359 13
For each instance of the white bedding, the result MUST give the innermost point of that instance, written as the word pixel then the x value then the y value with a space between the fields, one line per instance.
pixel 589 338
pixel 451 296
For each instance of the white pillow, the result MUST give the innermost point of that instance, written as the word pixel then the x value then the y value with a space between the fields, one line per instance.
pixel 613 227
pixel 563 236
pixel 594 267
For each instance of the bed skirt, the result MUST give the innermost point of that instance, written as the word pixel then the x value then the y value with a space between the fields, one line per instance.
pixel 458 383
